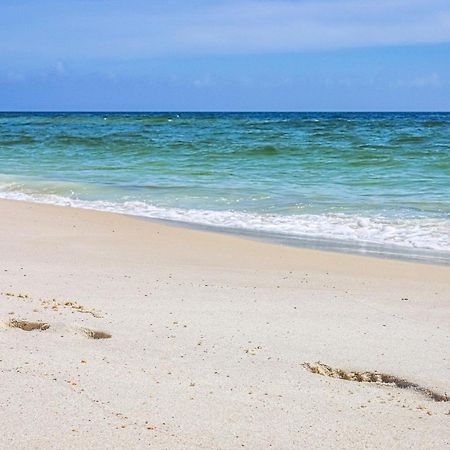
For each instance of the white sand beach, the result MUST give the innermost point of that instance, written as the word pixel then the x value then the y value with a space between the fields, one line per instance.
pixel 209 337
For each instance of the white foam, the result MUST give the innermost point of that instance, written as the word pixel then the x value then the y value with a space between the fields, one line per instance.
pixel 427 234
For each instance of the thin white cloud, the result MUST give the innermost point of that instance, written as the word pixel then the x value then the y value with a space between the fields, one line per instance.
pixel 429 81
pixel 59 68
pixel 295 26
pixel 138 29
pixel 204 81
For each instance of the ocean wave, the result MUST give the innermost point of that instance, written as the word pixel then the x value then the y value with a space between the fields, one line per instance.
pixel 420 234
pixel 263 150
pixel 6 140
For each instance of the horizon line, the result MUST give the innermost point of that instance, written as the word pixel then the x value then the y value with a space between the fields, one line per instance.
pixel 164 111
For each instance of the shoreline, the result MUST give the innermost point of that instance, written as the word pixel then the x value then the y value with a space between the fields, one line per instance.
pixel 305 243
pixel 371 250
pixel 214 340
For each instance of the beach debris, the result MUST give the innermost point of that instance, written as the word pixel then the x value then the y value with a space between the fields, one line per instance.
pixel 54 304
pixel 26 325
pixel 93 334
pixel 373 377
pixel 70 304
pixel 252 351
pixel 82 309
pixel 12 294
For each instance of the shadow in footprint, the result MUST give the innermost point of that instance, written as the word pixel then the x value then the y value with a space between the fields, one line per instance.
pixel 93 334
pixel 26 325
pixel 373 377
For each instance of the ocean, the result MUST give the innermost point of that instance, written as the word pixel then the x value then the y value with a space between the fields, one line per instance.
pixel 372 183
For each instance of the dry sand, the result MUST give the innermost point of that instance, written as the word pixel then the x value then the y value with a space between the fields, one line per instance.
pixel 117 332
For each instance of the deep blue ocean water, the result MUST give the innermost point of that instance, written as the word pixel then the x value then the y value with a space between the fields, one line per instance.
pixel 366 182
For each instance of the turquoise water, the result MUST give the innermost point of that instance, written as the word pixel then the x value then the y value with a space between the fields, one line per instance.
pixel 365 182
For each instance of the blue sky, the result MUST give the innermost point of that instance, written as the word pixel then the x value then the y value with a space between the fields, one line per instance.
pixel 225 55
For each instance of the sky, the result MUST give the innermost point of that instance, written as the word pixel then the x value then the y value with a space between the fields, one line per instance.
pixel 225 55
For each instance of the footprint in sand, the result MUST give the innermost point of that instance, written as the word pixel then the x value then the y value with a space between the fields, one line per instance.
pixel 373 377
pixel 26 325
pixel 95 334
